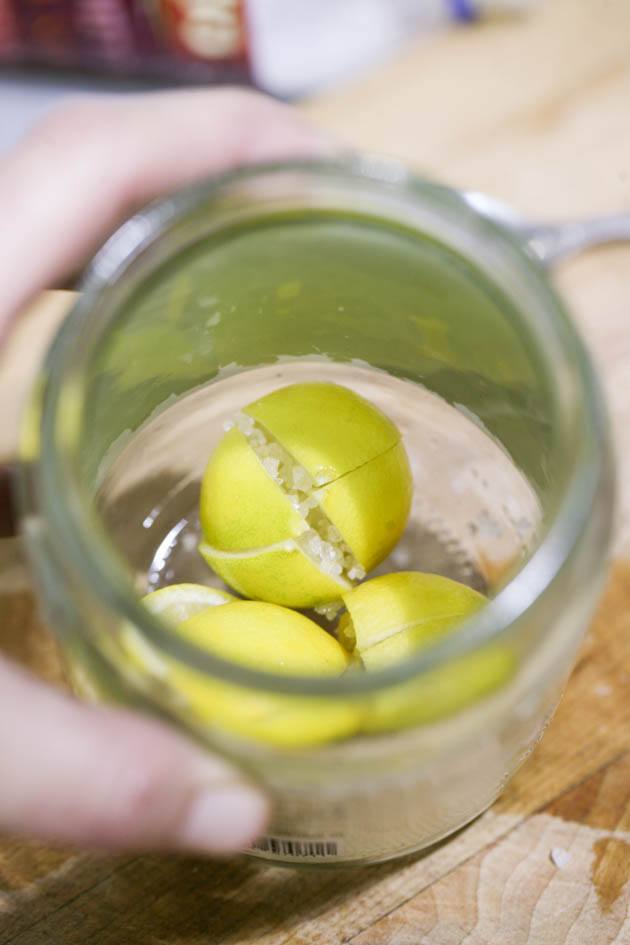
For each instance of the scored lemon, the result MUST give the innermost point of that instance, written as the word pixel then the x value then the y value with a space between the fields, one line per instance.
pixel 309 490
pixel 393 617
pixel 256 634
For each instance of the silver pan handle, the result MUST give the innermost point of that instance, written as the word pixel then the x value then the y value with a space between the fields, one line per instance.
pixel 550 242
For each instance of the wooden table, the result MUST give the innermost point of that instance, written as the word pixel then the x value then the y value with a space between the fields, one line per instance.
pixel 536 112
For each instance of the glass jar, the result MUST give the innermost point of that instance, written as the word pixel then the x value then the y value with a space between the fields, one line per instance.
pixel 361 273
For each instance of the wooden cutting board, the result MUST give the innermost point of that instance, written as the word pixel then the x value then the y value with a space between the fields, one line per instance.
pixel 536 112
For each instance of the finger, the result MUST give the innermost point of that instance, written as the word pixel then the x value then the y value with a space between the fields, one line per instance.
pixel 89 164
pixel 105 778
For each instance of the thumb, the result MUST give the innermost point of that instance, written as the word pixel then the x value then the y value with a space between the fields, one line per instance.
pixel 105 778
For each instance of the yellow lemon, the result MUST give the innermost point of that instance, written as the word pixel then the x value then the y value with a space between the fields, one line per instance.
pixel 267 637
pixel 263 636
pixel 443 691
pixel 174 603
pixel 392 617
pixel 276 640
pixel 178 602
pixel 309 490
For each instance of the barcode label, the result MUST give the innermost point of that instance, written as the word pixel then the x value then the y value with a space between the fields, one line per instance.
pixel 307 849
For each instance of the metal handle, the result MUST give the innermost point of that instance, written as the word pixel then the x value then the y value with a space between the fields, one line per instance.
pixel 550 242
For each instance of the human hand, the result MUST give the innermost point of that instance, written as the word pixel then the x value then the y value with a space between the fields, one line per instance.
pixel 71 772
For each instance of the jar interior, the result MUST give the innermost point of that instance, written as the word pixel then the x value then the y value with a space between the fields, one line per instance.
pixel 351 290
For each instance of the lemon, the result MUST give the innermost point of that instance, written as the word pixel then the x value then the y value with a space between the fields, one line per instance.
pixel 309 490
pixel 276 640
pixel 178 602
pixel 266 637
pixel 441 692
pixel 174 603
pixel 250 633
pixel 393 617
pixel 390 617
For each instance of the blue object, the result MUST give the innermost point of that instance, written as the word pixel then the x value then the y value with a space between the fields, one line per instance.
pixel 463 10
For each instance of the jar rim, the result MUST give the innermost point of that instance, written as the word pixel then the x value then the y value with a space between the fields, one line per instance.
pixel 67 509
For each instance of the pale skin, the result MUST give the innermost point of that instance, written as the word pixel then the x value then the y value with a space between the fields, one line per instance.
pixel 73 773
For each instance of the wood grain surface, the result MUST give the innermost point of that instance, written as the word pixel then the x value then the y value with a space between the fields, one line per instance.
pixel 536 112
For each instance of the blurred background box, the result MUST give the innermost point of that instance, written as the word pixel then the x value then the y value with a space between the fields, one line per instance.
pixel 185 39
pixel 290 48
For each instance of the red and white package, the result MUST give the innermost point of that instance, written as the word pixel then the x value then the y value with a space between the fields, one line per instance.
pixel 287 47
pixel 199 39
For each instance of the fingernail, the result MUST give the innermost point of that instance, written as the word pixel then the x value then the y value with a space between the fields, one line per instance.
pixel 224 819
